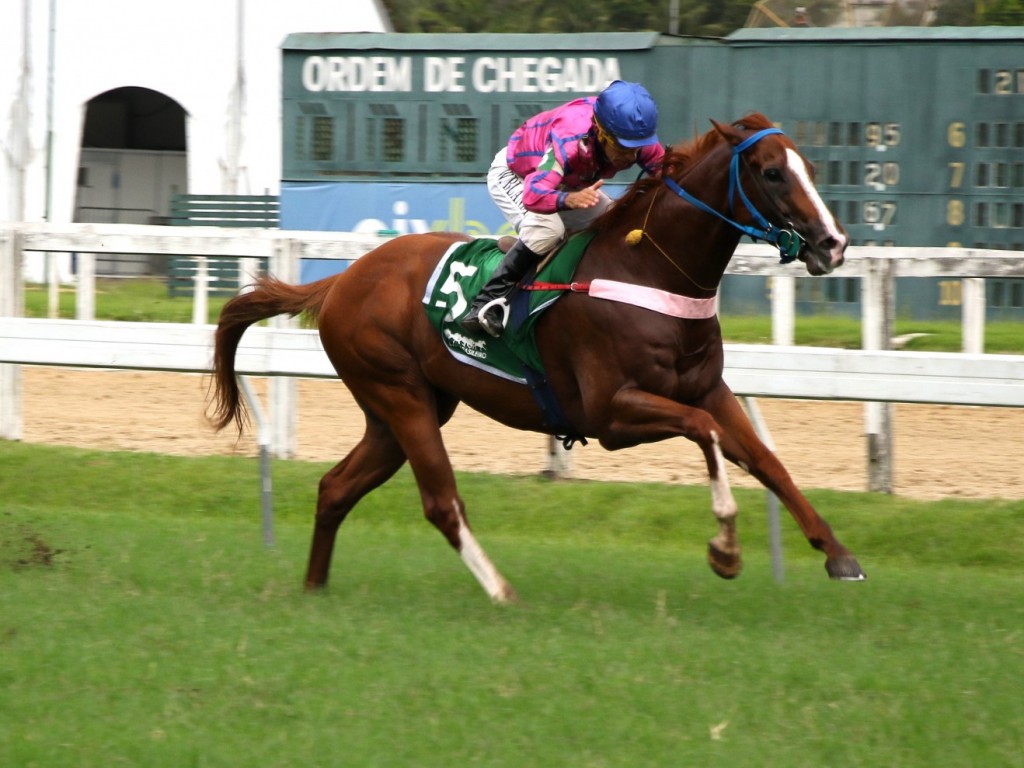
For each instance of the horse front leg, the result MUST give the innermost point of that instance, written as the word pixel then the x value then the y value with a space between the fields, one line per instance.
pixel 742 446
pixel 637 417
pixel 724 549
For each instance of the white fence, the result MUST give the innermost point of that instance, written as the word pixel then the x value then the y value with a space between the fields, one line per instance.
pixel 752 370
pixel 780 370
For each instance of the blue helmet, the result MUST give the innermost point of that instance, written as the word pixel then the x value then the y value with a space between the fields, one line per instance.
pixel 628 112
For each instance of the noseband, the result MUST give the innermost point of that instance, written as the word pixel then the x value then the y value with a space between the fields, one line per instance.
pixel 786 240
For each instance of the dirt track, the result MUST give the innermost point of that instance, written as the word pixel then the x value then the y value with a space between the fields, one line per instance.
pixel 940 451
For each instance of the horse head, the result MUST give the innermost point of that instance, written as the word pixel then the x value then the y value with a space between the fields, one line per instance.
pixel 776 186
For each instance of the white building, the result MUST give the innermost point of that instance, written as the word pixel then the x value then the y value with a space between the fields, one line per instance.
pixel 108 107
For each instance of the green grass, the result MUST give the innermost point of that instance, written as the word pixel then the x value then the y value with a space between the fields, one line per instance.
pixel 845 333
pixel 137 300
pixel 143 623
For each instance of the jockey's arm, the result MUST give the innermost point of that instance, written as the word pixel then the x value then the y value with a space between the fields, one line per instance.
pixel 543 190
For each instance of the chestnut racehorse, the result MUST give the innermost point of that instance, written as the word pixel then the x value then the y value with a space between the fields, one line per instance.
pixel 625 372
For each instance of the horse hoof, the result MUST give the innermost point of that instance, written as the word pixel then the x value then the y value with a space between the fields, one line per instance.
pixel 727 565
pixel 845 568
pixel 505 596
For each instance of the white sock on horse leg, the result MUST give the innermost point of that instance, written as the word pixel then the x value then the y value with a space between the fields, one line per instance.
pixel 481 567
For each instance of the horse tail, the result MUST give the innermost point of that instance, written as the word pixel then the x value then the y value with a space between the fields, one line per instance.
pixel 268 298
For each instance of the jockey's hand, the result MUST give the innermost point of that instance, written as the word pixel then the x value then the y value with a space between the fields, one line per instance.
pixel 584 198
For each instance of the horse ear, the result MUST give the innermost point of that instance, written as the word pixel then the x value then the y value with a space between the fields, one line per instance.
pixel 730 133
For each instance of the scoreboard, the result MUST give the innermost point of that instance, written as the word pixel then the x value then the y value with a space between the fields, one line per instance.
pixel 916 134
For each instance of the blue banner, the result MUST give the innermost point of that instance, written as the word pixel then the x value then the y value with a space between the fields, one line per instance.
pixel 399 208
pixel 373 206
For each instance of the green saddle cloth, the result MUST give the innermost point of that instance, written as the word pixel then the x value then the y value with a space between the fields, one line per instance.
pixel 463 272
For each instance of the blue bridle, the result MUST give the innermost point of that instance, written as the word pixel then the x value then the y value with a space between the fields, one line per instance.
pixel 786 240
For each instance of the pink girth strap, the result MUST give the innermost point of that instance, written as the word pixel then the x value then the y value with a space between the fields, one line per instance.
pixel 654 299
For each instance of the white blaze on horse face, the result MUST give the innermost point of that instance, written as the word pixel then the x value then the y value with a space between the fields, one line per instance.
pixel 796 166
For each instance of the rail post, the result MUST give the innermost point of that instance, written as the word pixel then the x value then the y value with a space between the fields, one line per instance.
pixel 877 301
pixel 284 265
pixel 783 304
pixel 85 290
pixel 973 314
pixel 12 304
pixel 200 291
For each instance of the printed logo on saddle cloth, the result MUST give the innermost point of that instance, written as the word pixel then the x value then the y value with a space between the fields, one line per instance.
pixel 462 273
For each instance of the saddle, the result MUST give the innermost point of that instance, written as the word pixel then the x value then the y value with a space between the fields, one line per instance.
pixel 461 273
pixel 464 270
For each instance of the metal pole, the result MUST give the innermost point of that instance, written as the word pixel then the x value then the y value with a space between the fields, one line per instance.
pixel 51 57
pixel 771 500
pixel 52 278
pixel 266 483
pixel 232 163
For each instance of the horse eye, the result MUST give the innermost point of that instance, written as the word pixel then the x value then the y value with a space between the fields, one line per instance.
pixel 773 174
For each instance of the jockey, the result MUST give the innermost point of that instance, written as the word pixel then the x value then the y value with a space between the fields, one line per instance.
pixel 549 178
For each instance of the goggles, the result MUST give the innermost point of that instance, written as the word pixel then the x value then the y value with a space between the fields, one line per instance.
pixel 607 138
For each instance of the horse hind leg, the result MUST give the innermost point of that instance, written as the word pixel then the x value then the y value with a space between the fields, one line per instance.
pixel 724 549
pixel 372 462
pixel 416 426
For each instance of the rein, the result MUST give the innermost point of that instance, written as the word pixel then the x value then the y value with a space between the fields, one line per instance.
pixel 786 240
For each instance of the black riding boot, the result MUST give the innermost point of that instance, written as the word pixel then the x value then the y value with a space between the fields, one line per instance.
pixel 490 307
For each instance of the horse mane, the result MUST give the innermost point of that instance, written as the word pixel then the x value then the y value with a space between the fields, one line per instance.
pixel 678 160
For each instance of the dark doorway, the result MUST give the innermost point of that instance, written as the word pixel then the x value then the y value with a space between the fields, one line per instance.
pixel 134 118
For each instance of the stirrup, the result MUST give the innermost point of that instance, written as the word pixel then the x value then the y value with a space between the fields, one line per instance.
pixel 494 328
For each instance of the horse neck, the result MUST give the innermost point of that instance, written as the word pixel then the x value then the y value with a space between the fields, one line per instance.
pixel 695 247
pixel 684 250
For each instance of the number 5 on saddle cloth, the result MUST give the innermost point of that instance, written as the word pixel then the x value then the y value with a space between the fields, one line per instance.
pixel 460 275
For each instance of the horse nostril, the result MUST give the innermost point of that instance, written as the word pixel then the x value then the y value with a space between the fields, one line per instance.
pixel 836 249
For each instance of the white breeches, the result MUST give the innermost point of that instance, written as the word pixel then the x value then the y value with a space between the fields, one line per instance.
pixel 540 232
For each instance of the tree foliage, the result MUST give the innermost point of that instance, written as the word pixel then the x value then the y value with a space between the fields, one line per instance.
pixel 967 13
pixel 695 17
